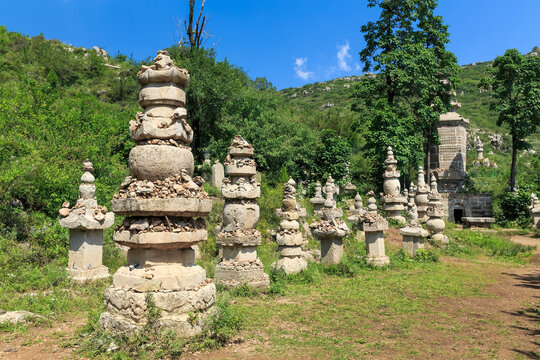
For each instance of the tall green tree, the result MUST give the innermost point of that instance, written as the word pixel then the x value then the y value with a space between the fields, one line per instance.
pixel 515 84
pixel 407 47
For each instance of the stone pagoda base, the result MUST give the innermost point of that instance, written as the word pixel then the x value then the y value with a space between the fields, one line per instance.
pixel 127 310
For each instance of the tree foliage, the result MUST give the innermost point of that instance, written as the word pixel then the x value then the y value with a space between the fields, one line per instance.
pixel 515 86
pixel 407 47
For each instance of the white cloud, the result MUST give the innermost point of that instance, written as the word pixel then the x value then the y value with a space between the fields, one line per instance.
pixel 300 69
pixel 343 56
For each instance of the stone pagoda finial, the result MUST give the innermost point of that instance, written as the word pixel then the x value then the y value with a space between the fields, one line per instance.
pixel 239 237
pixel 164 206
pixel 86 221
pixel 317 200
pixel 288 237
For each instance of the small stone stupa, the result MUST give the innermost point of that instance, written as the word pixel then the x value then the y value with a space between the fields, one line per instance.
pixel 393 200
pixel 535 210
pixel 421 197
pixel 374 226
pixel 435 212
pixel 239 237
pixel 413 234
pixel 331 229
pixel 356 213
pixel 218 173
pixel 288 237
pixel 86 221
pixel 480 159
pixel 317 200
pixel 163 205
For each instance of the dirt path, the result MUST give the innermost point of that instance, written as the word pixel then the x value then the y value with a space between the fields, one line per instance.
pixel 40 342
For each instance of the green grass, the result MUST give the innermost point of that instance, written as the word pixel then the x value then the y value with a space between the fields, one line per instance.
pixel 473 243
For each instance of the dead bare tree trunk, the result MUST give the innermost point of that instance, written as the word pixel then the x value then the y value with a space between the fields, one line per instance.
pixel 195 32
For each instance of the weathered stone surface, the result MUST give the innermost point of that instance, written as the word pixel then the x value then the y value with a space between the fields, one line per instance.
pixel 160 198
pixel 238 237
pixel 241 191
pixel 18 316
pixel 234 274
pixel 160 240
pixel 374 226
pixel 127 310
pixel 291 265
pixel 156 162
pixel 218 174
pixel 185 207
pixel 225 239
pixel 174 276
pixel 86 221
pixel 331 250
pixel 234 170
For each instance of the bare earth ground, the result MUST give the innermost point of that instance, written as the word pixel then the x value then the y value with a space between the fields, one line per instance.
pixel 505 324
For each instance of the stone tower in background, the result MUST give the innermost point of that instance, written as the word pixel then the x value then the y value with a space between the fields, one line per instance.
pixel 449 159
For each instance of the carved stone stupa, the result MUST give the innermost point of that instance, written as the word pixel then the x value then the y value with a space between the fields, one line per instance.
pixel 393 201
pixel 239 237
pixel 86 221
pixel 163 205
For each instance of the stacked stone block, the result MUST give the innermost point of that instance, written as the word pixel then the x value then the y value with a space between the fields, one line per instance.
pixel 239 237
pixel 86 221
pixel 289 237
pixel 163 205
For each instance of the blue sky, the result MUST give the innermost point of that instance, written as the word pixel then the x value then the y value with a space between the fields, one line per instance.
pixel 289 42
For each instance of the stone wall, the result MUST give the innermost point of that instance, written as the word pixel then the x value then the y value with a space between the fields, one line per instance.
pixel 472 205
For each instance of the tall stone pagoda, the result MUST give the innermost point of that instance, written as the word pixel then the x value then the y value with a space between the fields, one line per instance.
pixel 239 237
pixel 393 200
pixel 449 159
pixel 163 206
pixel 86 221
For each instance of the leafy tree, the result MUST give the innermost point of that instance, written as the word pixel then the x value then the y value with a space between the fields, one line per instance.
pixel 407 46
pixel 515 86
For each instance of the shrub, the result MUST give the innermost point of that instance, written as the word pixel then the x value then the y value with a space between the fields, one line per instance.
pixel 514 207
